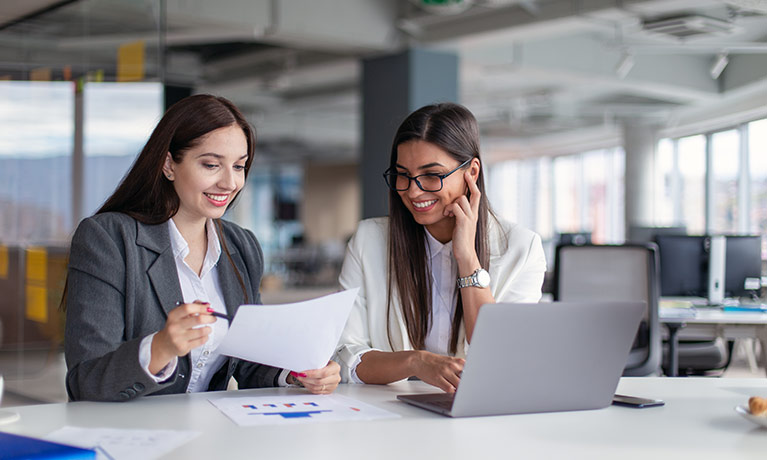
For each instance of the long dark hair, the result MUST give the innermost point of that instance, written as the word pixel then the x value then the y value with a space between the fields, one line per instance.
pixel 454 129
pixel 145 193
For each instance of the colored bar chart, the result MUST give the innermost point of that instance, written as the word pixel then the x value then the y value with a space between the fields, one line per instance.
pixel 270 410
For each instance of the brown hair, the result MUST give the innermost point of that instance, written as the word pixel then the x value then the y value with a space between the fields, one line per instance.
pixel 454 129
pixel 145 193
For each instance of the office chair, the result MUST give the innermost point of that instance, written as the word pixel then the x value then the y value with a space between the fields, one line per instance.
pixel 616 272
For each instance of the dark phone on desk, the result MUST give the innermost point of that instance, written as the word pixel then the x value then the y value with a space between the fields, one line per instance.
pixel 633 401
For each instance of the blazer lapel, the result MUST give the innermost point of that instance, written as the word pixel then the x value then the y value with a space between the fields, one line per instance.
pixel 162 272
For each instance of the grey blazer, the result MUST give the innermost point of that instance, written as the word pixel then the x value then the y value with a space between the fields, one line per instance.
pixel 122 282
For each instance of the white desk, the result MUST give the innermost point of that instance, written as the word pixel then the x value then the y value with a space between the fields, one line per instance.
pixel 698 421
pixel 713 322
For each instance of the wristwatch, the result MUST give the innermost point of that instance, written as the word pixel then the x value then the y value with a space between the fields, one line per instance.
pixel 480 278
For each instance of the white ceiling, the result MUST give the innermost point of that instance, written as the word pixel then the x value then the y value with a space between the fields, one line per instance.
pixel 541 75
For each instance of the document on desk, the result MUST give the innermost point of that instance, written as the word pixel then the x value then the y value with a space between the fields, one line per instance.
pixel 299 336
pixel 296 409
pixel 122 444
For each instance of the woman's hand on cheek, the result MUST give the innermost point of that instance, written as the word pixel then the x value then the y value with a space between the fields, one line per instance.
pixel 466 212
pixel 320 381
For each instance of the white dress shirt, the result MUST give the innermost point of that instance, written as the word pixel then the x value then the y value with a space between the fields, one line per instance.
pixel 444 294
pixel 204 287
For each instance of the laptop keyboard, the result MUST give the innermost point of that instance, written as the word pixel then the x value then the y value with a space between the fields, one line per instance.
pixel 443 403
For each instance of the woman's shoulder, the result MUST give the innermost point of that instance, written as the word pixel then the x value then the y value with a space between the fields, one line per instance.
pixel 373 226
pixel 371 233
pixel 109 222
pixel 509 234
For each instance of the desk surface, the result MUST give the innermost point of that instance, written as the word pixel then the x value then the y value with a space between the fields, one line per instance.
pixel 698 421
pixel 713 315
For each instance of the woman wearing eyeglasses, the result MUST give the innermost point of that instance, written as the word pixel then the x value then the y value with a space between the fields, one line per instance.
pixel 425 271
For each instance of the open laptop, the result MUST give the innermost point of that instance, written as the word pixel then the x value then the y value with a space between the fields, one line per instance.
pixel 543 357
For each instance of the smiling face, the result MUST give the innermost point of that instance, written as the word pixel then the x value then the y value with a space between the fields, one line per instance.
pixel 210 174
pixel 428 208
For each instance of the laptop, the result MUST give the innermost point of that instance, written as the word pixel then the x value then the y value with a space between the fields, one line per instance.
pixel 544 357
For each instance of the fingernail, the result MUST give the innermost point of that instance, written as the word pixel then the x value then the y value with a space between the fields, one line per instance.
pixel 302 374
pixel 210 310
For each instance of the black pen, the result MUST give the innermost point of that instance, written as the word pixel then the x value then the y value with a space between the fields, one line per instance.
pixel 219 315
pixel 212 311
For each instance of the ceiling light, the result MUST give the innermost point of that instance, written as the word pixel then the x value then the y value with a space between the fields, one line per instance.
pixel 687 26
pixel 625 65
pixel 719 64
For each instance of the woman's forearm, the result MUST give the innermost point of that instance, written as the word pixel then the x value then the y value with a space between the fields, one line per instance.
pixel 383 367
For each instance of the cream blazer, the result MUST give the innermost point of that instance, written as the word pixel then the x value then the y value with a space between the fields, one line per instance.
pixel 516 271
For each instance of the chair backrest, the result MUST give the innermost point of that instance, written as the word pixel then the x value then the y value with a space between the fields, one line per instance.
pixel 616 272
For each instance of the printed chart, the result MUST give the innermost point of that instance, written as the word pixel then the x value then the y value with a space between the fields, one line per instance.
pixel 291 410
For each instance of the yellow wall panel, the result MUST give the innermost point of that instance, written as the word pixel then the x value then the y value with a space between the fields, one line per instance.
pixel 37 303
pixel 3 262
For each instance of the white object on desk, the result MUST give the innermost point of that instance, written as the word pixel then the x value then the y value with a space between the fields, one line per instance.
pixel 758 419
pixel 6 416
pixel 119 444
pixel 297 409
pixel 299 336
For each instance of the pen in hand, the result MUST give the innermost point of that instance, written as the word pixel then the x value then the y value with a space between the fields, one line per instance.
pixel 211 311
pixel 219 315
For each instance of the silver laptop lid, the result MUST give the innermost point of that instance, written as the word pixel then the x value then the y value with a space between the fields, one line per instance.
pixel 546 357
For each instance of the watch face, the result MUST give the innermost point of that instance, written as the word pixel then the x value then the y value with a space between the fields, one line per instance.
pixel 483 278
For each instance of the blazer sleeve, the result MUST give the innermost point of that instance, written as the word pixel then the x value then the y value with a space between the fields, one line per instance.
pixel 101 365
pixel 522 273
pixel 248 374
pixel 355 339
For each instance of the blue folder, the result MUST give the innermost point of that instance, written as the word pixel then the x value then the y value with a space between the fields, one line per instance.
pixel 13 446
pixel 745 308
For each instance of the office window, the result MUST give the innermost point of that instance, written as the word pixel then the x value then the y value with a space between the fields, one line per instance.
pixel 35 161
pixel 118 119
pixel 521 191
pixel 757 163
pixel 544 223
pixel 568 193
pixel 603 195
pixel 666 195
pixel 725 149
pixel 692 169
pixel 502 189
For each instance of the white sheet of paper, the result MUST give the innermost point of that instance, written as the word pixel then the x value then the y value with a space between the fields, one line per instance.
pixel 298 409
pixel 122 444
pixel 299 336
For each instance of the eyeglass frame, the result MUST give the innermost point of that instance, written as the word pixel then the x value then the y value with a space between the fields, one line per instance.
pixel 442 177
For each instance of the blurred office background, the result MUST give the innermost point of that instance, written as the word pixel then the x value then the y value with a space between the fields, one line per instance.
pixel 596 117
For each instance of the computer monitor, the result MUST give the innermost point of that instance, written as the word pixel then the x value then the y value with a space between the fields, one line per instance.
pixel 683 265
pixel 640 234
pixel 743 262
pixel 578 239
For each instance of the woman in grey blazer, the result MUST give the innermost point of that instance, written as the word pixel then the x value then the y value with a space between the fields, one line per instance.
pixel 147 272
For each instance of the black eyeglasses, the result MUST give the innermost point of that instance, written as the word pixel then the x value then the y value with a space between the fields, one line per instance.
pixel 429 182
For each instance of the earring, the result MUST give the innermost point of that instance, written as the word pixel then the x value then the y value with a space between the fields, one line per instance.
pixel 170 177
